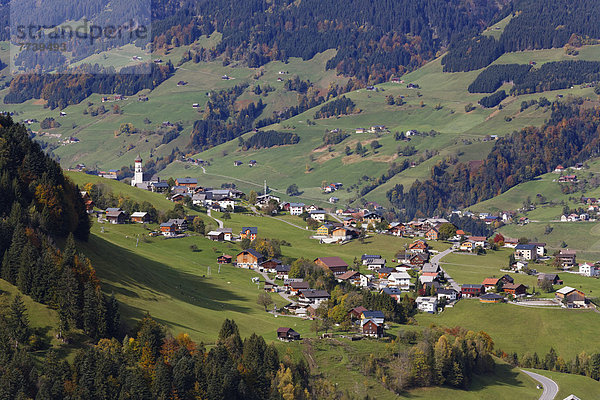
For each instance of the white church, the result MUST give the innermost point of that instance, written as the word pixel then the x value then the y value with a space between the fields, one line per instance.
pixel 154 183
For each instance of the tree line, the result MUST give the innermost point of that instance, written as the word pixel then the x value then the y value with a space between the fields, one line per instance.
pixel 535 24
pixel 493 99
pixel 270 138
pixel 61 90
pixel 38 204
pixel 374 40
pixel 150 364
pixel 339 106
pixel 570 136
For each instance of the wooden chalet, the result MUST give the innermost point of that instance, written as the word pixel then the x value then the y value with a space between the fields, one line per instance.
pixel 287 334
pixel 224 259
pixel 249 258
pixel 334 264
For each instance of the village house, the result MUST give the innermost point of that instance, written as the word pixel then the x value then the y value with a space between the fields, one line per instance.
pixel 511 243
pixel 400 279
pixel 393 292
pixel 226 203
pixel 553 278
pixel 116 216
pixel 376 316
pixel 140 217
pixel 216 236
pixel 571 296
pixel 491 298
pixel 540 248
pixel 470 290
pixel 586 269
pixel 559 169
pixel 371 328
pixel 419 259
pixel 227 233
pixel 526 252
pixel 335 264
pixel 340 233
pixel 375 263
pixel 296 208
pixel 287 334
pixel 181 223
pixel 270 265
pixel 224 259
pixel 567 178
pixel 427 304
pixel 296 286
pixel 448 294
pixel 478 241
pixel 282 271
pixel 159 186
pixel 249 258
pixel 249 233
pixel 432 234
pixel 312 296
pixel 431 268
pixel 324 230
pixel 366 258
pixel 187 182
pixel 567 258
pixel 371 218
pixel 356 312
pixel 490 283
pixel 355 278
pixel 318 215
pixel 168 229
pixel 384 273
pixel 514 289
pixel 418 246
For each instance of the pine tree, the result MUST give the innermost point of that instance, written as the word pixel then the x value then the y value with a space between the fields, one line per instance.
pixel 18 322
pixel 12 257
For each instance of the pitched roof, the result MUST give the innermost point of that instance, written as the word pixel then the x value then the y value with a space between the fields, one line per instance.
pixel 332 261
pixel 312 293
pixel 490 296
pixel 392 291
pixel 253 252
pixel 373 314
pixel 187 180
pixel 139 214
pixel 359 309
pixel 565 290
pixel 512 285
pixel 491 281
pixel 348 275
pixel 252 229
pixel 471 286
pixel 299 285
pixel 525 247
pixel 369 257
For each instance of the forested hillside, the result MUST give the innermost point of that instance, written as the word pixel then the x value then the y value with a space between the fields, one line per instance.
pixel 37 206
pixel 374 39
pixel 572 135
pixel 536 24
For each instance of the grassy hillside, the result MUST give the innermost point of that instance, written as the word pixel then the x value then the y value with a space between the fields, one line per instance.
pixel 510 326
pixel 438 105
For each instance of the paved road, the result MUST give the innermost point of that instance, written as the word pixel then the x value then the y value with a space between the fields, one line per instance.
pixel 209 213
pixel 550 387
pixel 436 260
pixel 282 294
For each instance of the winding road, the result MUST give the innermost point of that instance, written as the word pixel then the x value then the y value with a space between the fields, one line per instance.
pixel 435 260
pixel 550 387
pixel 209 213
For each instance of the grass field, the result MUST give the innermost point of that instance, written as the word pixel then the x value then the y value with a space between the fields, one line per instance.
pixel 511 326
pixel 173 283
